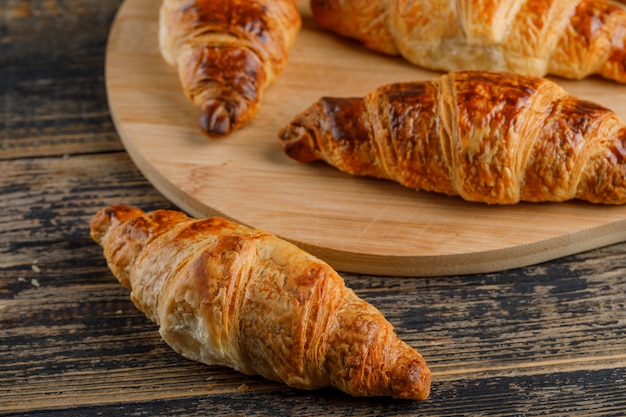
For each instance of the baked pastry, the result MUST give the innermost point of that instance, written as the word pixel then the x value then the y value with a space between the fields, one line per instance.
pixel 571 39
pixel 227 52
pixel 492 137
pixel 226 294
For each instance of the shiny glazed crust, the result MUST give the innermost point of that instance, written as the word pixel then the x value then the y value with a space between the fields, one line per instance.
pixel 225 294
pixel 227 52
pixel 491 137
pixel 568 38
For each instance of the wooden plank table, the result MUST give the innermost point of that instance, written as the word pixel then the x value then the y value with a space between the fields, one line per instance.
pixel 547 339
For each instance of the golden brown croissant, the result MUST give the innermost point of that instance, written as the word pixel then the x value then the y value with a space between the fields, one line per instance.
pixel 568 38
pixel 225 294
pixel 493 137
pixel 227 52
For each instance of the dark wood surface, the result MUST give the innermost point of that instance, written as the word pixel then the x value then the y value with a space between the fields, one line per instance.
pixel 548 339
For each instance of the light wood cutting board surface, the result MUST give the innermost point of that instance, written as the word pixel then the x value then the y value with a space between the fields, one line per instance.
pixel 356 224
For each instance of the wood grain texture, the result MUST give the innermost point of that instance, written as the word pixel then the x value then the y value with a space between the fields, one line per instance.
pixel 51 82
pixel 356 224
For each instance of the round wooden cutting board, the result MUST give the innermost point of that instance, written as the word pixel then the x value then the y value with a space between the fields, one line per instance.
pixel 355 224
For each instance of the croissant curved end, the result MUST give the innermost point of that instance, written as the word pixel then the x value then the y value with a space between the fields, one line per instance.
pixel 109 217
pixel 411 380
pixel 298 142
pixel 216 119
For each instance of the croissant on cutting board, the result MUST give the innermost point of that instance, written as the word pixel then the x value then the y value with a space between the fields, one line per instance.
pixel 568 38
pixel 225 294
pixel 492 137
pixel 227 52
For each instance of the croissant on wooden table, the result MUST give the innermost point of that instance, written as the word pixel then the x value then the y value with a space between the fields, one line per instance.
pixel 492 137
pixel 567 38
pixel 225 294
pixel 227 52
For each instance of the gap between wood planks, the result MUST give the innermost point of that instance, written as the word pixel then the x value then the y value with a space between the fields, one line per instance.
pixel 453 371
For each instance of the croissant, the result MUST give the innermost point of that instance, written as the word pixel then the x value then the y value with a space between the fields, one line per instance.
pixel 571 39
pixel 227 52
pixel 225 294
pixel 492 137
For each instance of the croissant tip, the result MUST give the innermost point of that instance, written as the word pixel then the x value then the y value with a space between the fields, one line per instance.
pixel 108 217
pixel 217 118
pixel 297 142
pixel 411 380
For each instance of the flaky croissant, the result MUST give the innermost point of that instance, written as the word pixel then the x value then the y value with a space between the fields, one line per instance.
pixel 492 137
pixel 227 52
pixel 225 294
pixel 568 38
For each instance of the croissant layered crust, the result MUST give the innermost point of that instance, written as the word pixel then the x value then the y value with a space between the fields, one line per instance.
pixel 568 38
pixel 491 137
pixel 227 53
pixel 225 294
